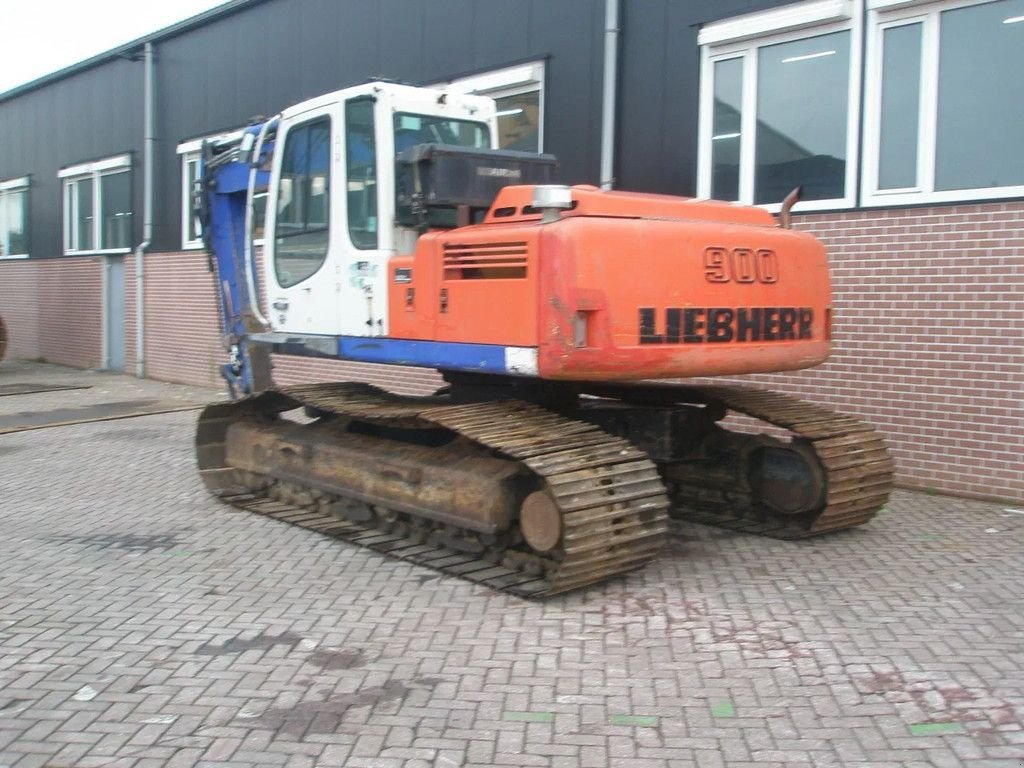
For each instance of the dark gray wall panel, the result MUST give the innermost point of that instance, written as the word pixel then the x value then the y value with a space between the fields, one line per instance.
pixel 259 60
pixel 659 90
pixel 87 116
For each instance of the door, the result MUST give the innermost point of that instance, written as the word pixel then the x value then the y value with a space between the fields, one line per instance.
pixel 302 259
pixel 114 319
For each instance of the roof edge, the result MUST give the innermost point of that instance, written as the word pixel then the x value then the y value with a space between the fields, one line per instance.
pixel 122 51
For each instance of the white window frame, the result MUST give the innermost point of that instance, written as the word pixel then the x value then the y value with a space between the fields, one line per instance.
pixel 189 152
pixel 507 81
pixel 882 15
pixel 19 185
pixel 741 37
pixel 94 171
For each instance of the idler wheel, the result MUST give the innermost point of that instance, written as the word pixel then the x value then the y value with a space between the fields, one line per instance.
pixel 540 521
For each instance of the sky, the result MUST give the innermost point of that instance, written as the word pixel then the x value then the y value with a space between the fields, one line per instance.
pixel 43 36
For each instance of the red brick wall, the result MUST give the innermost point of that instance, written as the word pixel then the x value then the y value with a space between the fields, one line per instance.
pixel 182 333
pixel 54 309
pixel 402 379
pixel 19 307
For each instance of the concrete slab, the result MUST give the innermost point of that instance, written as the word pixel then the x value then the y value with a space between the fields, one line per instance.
pixel 40 395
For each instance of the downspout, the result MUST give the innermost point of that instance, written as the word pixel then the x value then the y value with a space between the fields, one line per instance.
pixel 611 72
pixel 149 142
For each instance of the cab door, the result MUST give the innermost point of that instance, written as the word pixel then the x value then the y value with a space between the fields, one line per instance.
pixel 302 251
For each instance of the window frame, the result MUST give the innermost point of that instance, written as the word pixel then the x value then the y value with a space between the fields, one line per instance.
pixel 882 15
pixel 93 171
pixel 20 185
pixel 515 80
pixel 742 37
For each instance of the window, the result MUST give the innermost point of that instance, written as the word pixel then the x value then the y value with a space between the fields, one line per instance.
pixel 189 151
pixel 98 206
pixel 944 102
pixel 779 105
pixel 411 130
pixel 301 224
pixel 191 229
pixel 14 218
pixel 361 173
pixel 518 93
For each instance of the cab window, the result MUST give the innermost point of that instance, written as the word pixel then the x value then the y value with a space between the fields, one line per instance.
pixel 302 218
pixel 361 165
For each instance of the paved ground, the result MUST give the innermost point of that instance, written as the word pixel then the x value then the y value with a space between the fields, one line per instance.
pixel 143 624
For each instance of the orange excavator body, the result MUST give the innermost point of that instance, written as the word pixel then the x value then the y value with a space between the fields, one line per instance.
pixel 623 286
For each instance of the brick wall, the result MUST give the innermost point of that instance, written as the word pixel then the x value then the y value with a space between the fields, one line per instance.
pixel 19 307
pixel 53 309
pixel 182 332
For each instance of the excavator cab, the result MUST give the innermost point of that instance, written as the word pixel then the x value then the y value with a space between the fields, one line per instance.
pixel 335 190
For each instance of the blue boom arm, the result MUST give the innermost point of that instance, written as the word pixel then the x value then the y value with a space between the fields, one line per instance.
pixel 227 172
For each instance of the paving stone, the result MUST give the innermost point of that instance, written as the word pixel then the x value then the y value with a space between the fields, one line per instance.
pixel 193 635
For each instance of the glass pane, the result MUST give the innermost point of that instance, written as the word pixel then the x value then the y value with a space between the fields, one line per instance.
pixel 519 121
pixel 116 216
pixel 195 229
pixel 5 240
pixel 426 129
pixel 259 213
pixel 83 193
pixel 802 99
pixel 303 203
pixel 726 119
pixel 981 97
pixel 361 162
pixel 901 96
pixel 13 223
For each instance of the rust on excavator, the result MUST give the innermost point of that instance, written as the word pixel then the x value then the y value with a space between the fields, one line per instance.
pixel 601 508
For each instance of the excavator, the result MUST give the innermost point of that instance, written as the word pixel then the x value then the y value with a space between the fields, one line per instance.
pixel 564 321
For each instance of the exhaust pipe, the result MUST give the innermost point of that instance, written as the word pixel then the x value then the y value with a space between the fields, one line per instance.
pixel 785 218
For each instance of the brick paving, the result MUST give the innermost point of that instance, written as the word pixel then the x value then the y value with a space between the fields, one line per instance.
pixel 143 624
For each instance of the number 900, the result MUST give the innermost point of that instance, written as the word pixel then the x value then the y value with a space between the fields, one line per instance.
pixel 741 265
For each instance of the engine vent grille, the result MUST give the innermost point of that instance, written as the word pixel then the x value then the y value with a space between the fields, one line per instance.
pixel 484 261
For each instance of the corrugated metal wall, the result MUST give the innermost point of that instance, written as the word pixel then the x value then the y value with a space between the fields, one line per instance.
pixel 659 89
pixel 96 113
pixel 260 59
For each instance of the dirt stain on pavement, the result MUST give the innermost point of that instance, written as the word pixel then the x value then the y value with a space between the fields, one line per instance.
pixel 238 645
pixel 326 716
pixel 336 658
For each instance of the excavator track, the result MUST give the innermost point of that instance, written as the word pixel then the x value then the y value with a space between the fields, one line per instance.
pixel 609 495
pixel 857 467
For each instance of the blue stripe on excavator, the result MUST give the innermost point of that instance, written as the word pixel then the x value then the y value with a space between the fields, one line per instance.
pixel 444 355
pixel 427 354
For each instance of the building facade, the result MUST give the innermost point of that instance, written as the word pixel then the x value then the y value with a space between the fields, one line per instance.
pixel 902 119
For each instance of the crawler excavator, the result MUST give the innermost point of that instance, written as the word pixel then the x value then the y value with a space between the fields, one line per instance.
pixel 397 233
